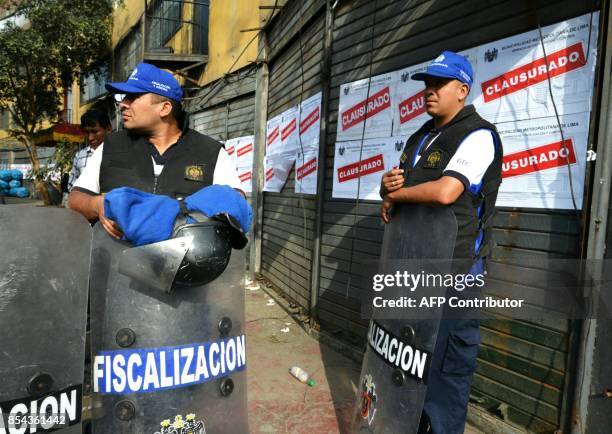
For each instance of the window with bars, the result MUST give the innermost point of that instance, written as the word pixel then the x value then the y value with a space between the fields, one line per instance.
pixel 200 29
pixel 163 20
pixel 127 55
pixel 92 87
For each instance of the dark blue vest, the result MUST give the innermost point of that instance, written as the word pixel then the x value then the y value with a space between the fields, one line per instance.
pixel 126 162
pixel 474 209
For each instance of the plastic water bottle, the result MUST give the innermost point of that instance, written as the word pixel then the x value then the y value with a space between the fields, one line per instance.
pixel 302 375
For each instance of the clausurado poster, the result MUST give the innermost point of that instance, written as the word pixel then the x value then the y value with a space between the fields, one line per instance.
pixel 512 80
pixel 368 101
pixel 307 154
pixel 281 147
pixel 537 162
pixel 510 90
pixel 241 150
pixel 360 168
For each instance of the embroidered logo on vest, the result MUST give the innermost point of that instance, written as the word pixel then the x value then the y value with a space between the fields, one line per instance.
pixel 194 173
pixel 433 160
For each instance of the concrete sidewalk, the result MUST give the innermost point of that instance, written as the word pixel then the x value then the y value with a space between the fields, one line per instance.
pixel 278 403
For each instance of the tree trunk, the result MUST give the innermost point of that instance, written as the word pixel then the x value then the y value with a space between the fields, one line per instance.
pixel 43 192
pixel 39 182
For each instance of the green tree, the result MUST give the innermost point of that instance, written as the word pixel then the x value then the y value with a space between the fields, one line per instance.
pixel 60 41
pixel 60 163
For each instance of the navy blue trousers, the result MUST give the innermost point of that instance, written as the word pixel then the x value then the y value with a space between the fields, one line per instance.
pixel 450 377
pixel 453 365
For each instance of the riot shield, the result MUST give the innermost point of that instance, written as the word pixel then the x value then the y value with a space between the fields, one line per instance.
pixel 44 274
pixel 165 360
pixel 393 381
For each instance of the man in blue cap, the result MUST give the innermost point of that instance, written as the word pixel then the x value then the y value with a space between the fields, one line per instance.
pixel 155 152
pixel 453 160
pixel 133 184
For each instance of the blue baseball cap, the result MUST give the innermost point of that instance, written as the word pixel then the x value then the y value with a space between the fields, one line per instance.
pixel 147 78
pixel 448 65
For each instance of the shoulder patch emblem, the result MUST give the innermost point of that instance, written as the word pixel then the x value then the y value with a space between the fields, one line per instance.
pixel 433 160
pixel 194 173
pixel 434 157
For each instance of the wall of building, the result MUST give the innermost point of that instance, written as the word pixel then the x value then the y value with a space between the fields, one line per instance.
pixel 227 40
pixel 126 16
pixel 525 368
pixel 228 46
pixel 289 217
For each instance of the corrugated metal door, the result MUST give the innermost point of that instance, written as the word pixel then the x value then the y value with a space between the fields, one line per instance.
pixel 226 109
pixel 522 365
pixel 288 217
pixel 211 122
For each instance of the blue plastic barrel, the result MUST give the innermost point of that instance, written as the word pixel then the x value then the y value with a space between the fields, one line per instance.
pixel 19 192
pixel 6 175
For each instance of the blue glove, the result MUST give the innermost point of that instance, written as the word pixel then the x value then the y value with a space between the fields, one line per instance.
pixel 143 217
pixel 221 199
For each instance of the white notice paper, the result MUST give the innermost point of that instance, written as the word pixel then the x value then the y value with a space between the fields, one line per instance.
pixel 351 173
pixel 352 108
pixel 306 170
pixel 535 166
pixel 512 81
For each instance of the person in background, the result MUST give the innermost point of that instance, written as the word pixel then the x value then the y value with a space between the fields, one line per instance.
pixel 96 125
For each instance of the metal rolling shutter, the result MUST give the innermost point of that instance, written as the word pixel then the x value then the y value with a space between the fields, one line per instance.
pixel 522 365
pixel 227 110
pixel 288 217
pixel 211 122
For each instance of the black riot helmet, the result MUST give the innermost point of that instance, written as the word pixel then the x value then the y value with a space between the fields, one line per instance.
pixel 211 247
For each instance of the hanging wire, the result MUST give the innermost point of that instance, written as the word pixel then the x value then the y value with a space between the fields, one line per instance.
pixel 223 80
pixel 552 98
pixel 365 118
pixel 554 104
pixel 576 211
pixel 299 121
pixel 557 117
